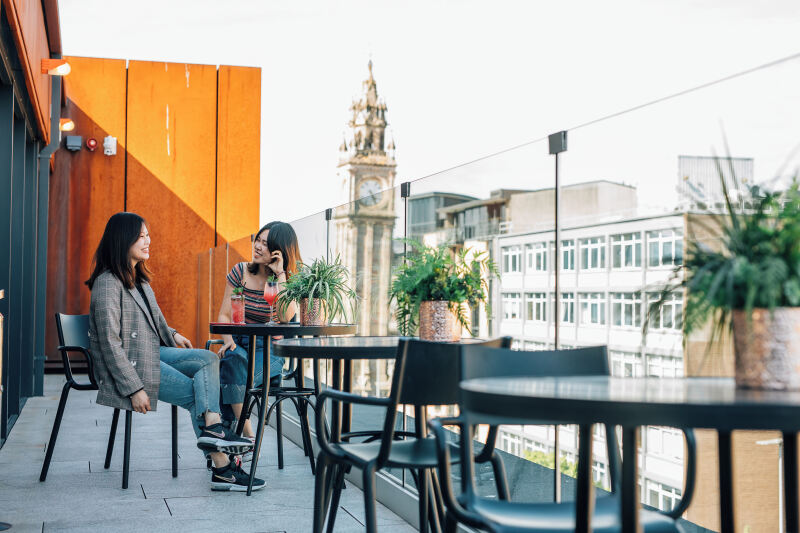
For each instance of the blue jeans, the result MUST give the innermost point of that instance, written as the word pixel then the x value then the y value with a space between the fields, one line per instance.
pixel 190 379
pixel 233 371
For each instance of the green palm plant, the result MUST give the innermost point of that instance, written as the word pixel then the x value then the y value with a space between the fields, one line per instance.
pixel 434 274
pixel 756 265
pixel 322 280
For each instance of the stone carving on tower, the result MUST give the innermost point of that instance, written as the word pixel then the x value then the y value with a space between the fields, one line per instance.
pixel 364 226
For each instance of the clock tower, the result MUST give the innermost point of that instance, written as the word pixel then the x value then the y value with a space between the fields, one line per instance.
pixel 364 226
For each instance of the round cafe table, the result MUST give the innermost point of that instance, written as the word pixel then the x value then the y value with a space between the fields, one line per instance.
pixel 342 351
pixel 267 331
pixel 713 403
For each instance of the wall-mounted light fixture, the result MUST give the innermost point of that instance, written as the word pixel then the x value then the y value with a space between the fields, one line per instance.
pixel 55 67
pixel 66 124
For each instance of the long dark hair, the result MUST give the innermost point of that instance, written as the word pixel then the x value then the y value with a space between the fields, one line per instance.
pixel 113 252
pixel 281 237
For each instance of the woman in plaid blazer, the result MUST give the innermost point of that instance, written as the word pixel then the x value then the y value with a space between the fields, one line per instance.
pixel 138 359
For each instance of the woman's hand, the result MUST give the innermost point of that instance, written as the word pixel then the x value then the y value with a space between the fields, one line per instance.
pixel 229 345
pixel 276 262
pixel 140 402
pixel 181 341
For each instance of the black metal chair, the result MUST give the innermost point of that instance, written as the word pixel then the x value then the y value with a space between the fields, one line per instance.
pixel 73 337
pixel 297 394
pixel 503 516
pixel 425 373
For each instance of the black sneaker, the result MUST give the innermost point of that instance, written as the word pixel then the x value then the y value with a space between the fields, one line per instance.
pixel 233 478
pixel 218 438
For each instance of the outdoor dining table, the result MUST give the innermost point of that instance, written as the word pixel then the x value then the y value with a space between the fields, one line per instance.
pixel 267 332
pixel 712 403
pixel 342 351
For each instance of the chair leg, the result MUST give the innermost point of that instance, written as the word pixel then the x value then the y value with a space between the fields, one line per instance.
pixel 112 435
pixel 305 430
pixel 370 514
pixel 450 523
pixel 174 441
pixel 422 489
pixel 279 431
pixel 320 492
pixel 126 458
pixel 62 402
pixel 338 483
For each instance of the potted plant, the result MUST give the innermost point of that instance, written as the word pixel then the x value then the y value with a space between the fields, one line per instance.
pixel 321 291
pixel 749 282
pixel 432 286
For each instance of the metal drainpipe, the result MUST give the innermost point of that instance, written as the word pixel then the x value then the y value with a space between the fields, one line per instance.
pixel 41 230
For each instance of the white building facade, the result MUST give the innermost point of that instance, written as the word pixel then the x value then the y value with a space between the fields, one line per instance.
pixel 609 273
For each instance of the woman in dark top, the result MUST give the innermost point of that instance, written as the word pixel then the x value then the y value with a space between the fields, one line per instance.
pixel 275 255
pixel 139 359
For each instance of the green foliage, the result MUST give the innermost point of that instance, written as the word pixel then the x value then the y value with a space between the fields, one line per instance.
pixel 568 468
pixel 756 266
pixel 434 274
pixel 323 280
pixel 238 290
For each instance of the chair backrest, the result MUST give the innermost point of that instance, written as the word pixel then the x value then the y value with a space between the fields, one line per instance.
pixel 432 371
pixel 73 330
pixel 482 362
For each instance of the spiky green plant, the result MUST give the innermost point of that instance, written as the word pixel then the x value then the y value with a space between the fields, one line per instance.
pixel 434 274
pixel 757 264
pixel 326 281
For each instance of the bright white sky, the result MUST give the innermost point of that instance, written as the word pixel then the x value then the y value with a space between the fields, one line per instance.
pixel 466 78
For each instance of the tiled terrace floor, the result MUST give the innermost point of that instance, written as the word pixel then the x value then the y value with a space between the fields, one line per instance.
pixel 79 495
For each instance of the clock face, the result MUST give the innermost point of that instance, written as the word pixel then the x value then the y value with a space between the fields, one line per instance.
pixel 369 192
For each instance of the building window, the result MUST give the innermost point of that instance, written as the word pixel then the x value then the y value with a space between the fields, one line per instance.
pixel 512 259
pixel 568 307
pixel 670 315
pixel 593 253
pixel 511 305
pixel 593 308
pixel 664 366
pixel 665 247
pixel 568 255
pixel 536 303
pixel 662 496
pixel 626 364
pixel 626 309
pixel 536 255
pixel 626 250
pixel 537 346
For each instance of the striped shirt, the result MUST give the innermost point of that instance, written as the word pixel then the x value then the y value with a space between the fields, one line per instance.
pixel 256 310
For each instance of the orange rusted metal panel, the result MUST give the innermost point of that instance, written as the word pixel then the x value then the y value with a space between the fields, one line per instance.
pixel 238 150
pixel 26 19
pixel 86 188
pixel 171 176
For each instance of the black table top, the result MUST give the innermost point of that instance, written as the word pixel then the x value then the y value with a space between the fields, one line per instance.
pixel 338 348
pixel 692 402
pixel 263 330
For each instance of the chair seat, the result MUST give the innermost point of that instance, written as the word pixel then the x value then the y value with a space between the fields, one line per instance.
pixel 408 453
pixel 554 517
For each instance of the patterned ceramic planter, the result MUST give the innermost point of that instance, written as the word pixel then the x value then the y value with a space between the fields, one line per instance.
pixel 767 349
pixel 315 316
pixel 438 323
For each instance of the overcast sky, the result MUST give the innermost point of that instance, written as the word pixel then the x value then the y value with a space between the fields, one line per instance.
pixel 463 79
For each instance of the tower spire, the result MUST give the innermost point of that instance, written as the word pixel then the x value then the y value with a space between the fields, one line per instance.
pixel 368 120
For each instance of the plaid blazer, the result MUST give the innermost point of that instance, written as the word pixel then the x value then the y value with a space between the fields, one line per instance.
pixel 125 341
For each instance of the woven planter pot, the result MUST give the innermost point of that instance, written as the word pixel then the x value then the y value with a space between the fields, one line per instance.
pixel 315 316
pixel 767 349
pixel 438 323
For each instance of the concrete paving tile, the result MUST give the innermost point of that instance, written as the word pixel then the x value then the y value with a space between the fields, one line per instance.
pixel 77 485
pixel 22 525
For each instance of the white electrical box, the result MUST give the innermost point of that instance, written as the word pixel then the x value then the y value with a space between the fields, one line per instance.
pixel 110 145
